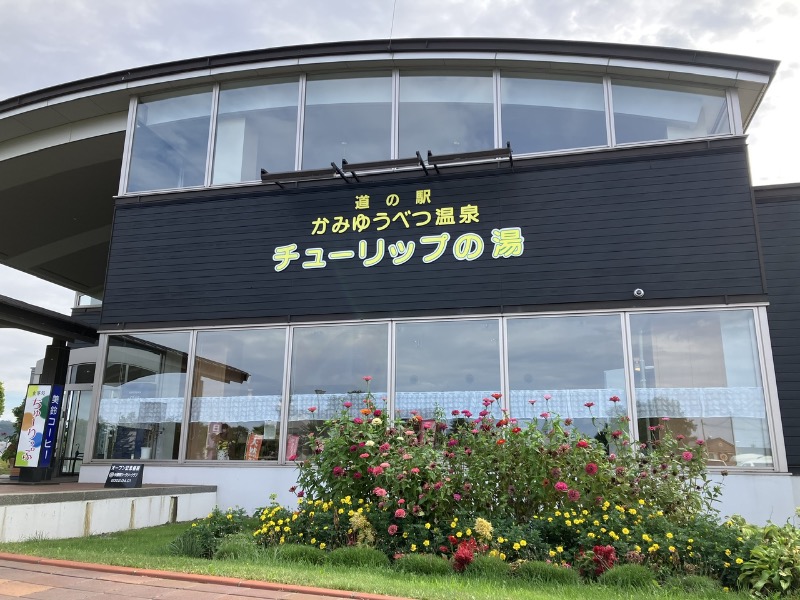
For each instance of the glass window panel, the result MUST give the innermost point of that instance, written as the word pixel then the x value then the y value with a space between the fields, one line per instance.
pixel 445 366
pixel 236 395
pixel 647 112
pixel 329 364
pixel 347 118
pixel 256 129
pixel 701 370
pixel 576 360
pixel 544 114
pixel 141 401
pixel 170 141
pixel 446 114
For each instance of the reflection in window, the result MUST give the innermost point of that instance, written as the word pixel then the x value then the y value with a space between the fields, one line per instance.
pixel 445 366
pixel 141 401
pixel 170 141
pixel 575 360
pixel 256 129
pixel 701 371
pixel 660 112
pixel 236 395
pixel 347 118
pixel 329 364
pixel 445 114
pixel 544 114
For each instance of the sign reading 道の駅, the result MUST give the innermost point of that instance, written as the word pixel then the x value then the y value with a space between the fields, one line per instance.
pixel 125 476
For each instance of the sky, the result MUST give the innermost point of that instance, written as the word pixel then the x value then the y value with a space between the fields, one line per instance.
pixel 49 42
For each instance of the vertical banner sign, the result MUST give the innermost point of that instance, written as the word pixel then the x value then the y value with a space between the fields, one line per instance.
pixel 35 423
pixel 51 426
pixel 253 448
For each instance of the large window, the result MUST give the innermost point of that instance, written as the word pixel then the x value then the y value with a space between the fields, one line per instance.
pixel 170 141
pixel 698 374
pixel 568 366
pixel 141 400
pixel 347 118
pixel 445 114
pixel 236 395
pixel 445 366
pixel 329 364
pixel 256 129
pixel 650 112
pixel 554 113
pixel 257 393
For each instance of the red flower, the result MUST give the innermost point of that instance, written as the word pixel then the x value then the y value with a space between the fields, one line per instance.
pixel 392 529
pixel 497 396
pixel 591 469
pixel 616 434
pixel 348 404
pixel 589 404
pixel 574 495
pixel 561 486
pixel 500 442
pixel 358 420
pixel 312 409
pixel 582 444
pixel 455 413
pixel 292 457
pixel 516 430
pixel 367 378
pixel 614 399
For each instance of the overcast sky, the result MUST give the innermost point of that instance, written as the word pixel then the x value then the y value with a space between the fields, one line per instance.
pixel 48 42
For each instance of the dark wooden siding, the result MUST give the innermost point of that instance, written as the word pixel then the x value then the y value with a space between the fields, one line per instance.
pixel 680 226
pixel 779 222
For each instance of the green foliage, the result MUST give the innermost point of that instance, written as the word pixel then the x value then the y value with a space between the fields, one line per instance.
pixel 547 572
pixel 423 564
pixel 302 554
pixel 2 398
pixel 692 584
pixel 203 538
pixel 628 576
pixel 13 439
pixel 773 568
pixel 238 546
pixel 358 556
pixel 488 567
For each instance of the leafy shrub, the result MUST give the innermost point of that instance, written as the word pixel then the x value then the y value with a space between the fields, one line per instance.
pixel 203 537
pixel 195 542
pixel 692 584
pixel 358 556
pixel 300 553
pixel 546 572
pixel 423 564
pixel 628 576
pixel 488 567
pixel 237 546
pixel 774 565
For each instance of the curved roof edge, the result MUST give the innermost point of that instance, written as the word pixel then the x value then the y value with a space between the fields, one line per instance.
pixel 762 66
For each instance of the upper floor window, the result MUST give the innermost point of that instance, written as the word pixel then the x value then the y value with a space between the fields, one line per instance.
pixel 347 118
pixel 170 141
pixel 445 114
pixel 256 129
pixel 651 112
pixel 541 114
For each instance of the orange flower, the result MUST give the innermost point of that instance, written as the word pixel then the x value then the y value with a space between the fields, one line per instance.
pixel 500 442
pixel 365 411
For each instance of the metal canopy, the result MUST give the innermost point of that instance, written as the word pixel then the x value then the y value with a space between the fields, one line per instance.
pixel 16 314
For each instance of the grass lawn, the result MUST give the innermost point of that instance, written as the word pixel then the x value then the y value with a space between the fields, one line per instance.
pixel 147 548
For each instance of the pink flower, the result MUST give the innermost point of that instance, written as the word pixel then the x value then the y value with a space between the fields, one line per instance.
pixel 616 434
pixel 531 402
pixel 568 421
pixel 338 471
pixel 687 456
pixel 364 455
pixel 384 447
pixel 456 497
pixel 497 396
pixel 357 475
pixel 614 399
pixel 700 442
pixel 466 413
pixel 547 396
pixel 392 529
pixel 377 412
pixel 574 495
pixel 399 513
pixel 380 492
pixel 591 469
pixel 292 457
pixel 415 470
pixel 358 420
pixel 487 402
pixel 312 409
pixel 582 444
pixel 401 501
pixel 452 442
pixel 367 378
pixel 589 404
pixel 348 404
pixel 561 486
pixel 545 415
pixel 385 465
pixel 427 425
pixel 407 457
pixel 455 413
pixel 300 494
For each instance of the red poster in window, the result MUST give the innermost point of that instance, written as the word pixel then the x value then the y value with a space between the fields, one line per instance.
pixel 253 446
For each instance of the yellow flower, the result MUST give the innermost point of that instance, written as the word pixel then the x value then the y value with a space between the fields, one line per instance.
pixel 426 543
pixel 453 525
pixel 341 511
pixel 459 534
pixel 313 540
pixel 596 523
pixel 500 539
pixel 690 540
pixel 632 511
pixel 568 523
pixel 727 552
pixel 641 502
pixel 194 524
pixel 469 531
pixel 625 531
pixel 523 543
pixel 413 547
pixel 590 534
pixel 557 513
pixel 552 553
pixel 739 561
pixel 671 548
pixel 669 536
pixel 502 556
pixel 559 549
pixel 322 546
pixel 727 564
pixel 427 525
pixel 516 546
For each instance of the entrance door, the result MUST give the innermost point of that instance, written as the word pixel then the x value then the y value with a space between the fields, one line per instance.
pixel 75 422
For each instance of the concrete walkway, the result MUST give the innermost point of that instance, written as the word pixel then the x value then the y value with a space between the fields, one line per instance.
pixel 42 578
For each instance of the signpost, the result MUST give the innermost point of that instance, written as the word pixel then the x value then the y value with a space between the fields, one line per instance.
pixel 125 476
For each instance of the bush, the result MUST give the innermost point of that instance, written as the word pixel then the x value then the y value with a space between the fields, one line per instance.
pixel 237 546
pixel 423 564
pixel 488 567
pixel 546 572
pixel 774 564
pixel 195 542
pixel 358 556
pixel 692 584
pixel 628 576
pixel 300 553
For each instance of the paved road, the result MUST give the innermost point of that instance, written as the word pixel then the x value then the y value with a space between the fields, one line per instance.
pixel 64 580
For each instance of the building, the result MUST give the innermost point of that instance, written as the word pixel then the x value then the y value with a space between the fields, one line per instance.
pixel 450 217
